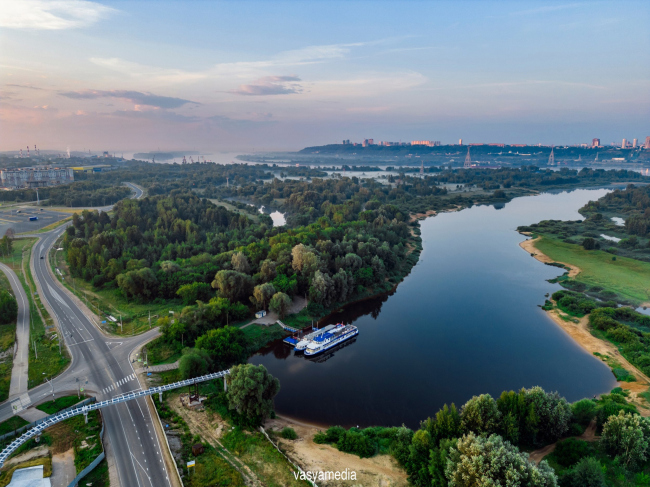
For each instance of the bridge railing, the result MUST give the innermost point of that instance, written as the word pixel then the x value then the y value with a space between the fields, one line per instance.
pixel 70 413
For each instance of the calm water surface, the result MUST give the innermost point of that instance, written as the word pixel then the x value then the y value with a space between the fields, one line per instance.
pixel 466 321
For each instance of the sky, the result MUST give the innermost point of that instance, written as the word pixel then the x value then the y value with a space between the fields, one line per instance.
pixel 271 75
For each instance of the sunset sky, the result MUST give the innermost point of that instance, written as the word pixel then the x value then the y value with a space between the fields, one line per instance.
pixel 246 75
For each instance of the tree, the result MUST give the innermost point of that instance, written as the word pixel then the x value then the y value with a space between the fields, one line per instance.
pixel 193 364
pixel 438 462
pixel 553 411
pixel 197 291
pixel 477 461
pixel 240 263
pixel 267 270
pixel 169 266
pixel 140 284
pixel 232 284
pixel 262 294
pixel 8 308
pixel 225 346
pixel 447 423
pixel 6 245
pixel 480 415
pixel 625 436
pixel 588 472
pixel 590 244
pixel 251 390
pixel 280 303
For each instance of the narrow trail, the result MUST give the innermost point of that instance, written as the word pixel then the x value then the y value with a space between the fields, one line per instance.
pixel 589 435
pixel 200 425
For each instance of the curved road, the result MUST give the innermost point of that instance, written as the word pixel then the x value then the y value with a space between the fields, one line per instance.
pixel 101 365
pixel 21 356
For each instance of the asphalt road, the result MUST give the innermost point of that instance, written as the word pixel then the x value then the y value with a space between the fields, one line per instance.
pixel 19 378
pixel 101 366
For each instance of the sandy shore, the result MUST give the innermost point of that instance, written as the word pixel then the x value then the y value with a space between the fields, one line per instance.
pixel 377 471
pixel 583 337
pixel 529 246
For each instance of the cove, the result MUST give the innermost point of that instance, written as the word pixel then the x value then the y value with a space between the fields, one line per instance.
pixel 465 321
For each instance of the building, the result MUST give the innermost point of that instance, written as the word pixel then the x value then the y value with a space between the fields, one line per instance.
pixel 460 141
pixel 346 141
pixel 595 143
pixel 647 143
pixel 35 177
pixel 367 142
pixel 429 143
pixel 634 143
pixel 96 168
pixel 260 314
pixel 624 144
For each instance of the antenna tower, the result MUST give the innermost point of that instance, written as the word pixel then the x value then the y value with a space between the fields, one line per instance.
pixel 468 160
pixel 596 159
pixel 551 158
pixel 422 169
pixel 27 151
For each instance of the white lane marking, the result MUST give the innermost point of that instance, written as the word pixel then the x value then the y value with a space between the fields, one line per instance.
pixel 57 296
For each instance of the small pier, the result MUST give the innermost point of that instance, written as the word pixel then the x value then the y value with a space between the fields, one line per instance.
pixel 288 328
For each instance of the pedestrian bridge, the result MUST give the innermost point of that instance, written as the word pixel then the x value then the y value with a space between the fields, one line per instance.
pixel 56 418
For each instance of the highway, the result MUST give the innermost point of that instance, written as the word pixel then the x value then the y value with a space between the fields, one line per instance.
pixel 100 364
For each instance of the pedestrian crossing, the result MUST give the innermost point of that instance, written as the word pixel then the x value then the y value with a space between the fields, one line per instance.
pixel 118 384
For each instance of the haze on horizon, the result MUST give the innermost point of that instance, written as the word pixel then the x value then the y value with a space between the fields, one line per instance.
pixel 253 75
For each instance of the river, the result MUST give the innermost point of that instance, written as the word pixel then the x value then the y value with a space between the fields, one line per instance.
pixel 466 321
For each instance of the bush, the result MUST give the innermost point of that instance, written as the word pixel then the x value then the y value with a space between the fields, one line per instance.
pixel 571 450
pixel 353 441
pixel 587 473
pixel 623 375
pixel 289 433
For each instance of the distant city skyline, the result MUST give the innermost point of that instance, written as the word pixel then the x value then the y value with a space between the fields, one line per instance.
pixel 252 75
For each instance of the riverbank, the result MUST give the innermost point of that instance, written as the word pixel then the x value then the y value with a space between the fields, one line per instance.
pixel 582 335
pixel 529 246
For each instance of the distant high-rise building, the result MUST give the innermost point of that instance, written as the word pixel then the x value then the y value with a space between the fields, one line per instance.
pixel 346 141
pixel 647 143
pixel 624 144
pixel 634 143
pixel 371 141
pixel 460 141
pixel 595 143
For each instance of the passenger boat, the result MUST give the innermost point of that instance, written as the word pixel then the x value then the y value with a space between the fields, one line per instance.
pixel 301 345
pixel 326 340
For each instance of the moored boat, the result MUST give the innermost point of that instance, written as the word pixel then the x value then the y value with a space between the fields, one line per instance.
pixel 326 340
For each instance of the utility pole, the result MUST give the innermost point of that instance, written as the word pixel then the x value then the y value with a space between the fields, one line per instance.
pixel 150 319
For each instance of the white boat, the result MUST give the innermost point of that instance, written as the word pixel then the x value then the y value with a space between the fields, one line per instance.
pixel 326 340
pixel 302 344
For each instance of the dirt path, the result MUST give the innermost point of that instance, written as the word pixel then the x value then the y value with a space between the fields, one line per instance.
pixel 589 435
pixel 210 429
pixel 582 335
pixel 378 471
pixel 63 469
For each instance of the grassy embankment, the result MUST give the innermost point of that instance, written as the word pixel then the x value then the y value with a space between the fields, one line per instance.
pixel 42 329
pixel 7 339
pixel 626 277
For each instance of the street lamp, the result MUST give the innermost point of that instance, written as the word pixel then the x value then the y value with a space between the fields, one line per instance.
pixel 51 385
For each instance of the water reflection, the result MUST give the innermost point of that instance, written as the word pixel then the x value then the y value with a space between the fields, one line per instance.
pixel 466 321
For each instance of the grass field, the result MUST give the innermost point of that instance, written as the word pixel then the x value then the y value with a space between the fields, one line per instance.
pixel 629 278
pixel 12 424
pixel 47 358
pixel 52 407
